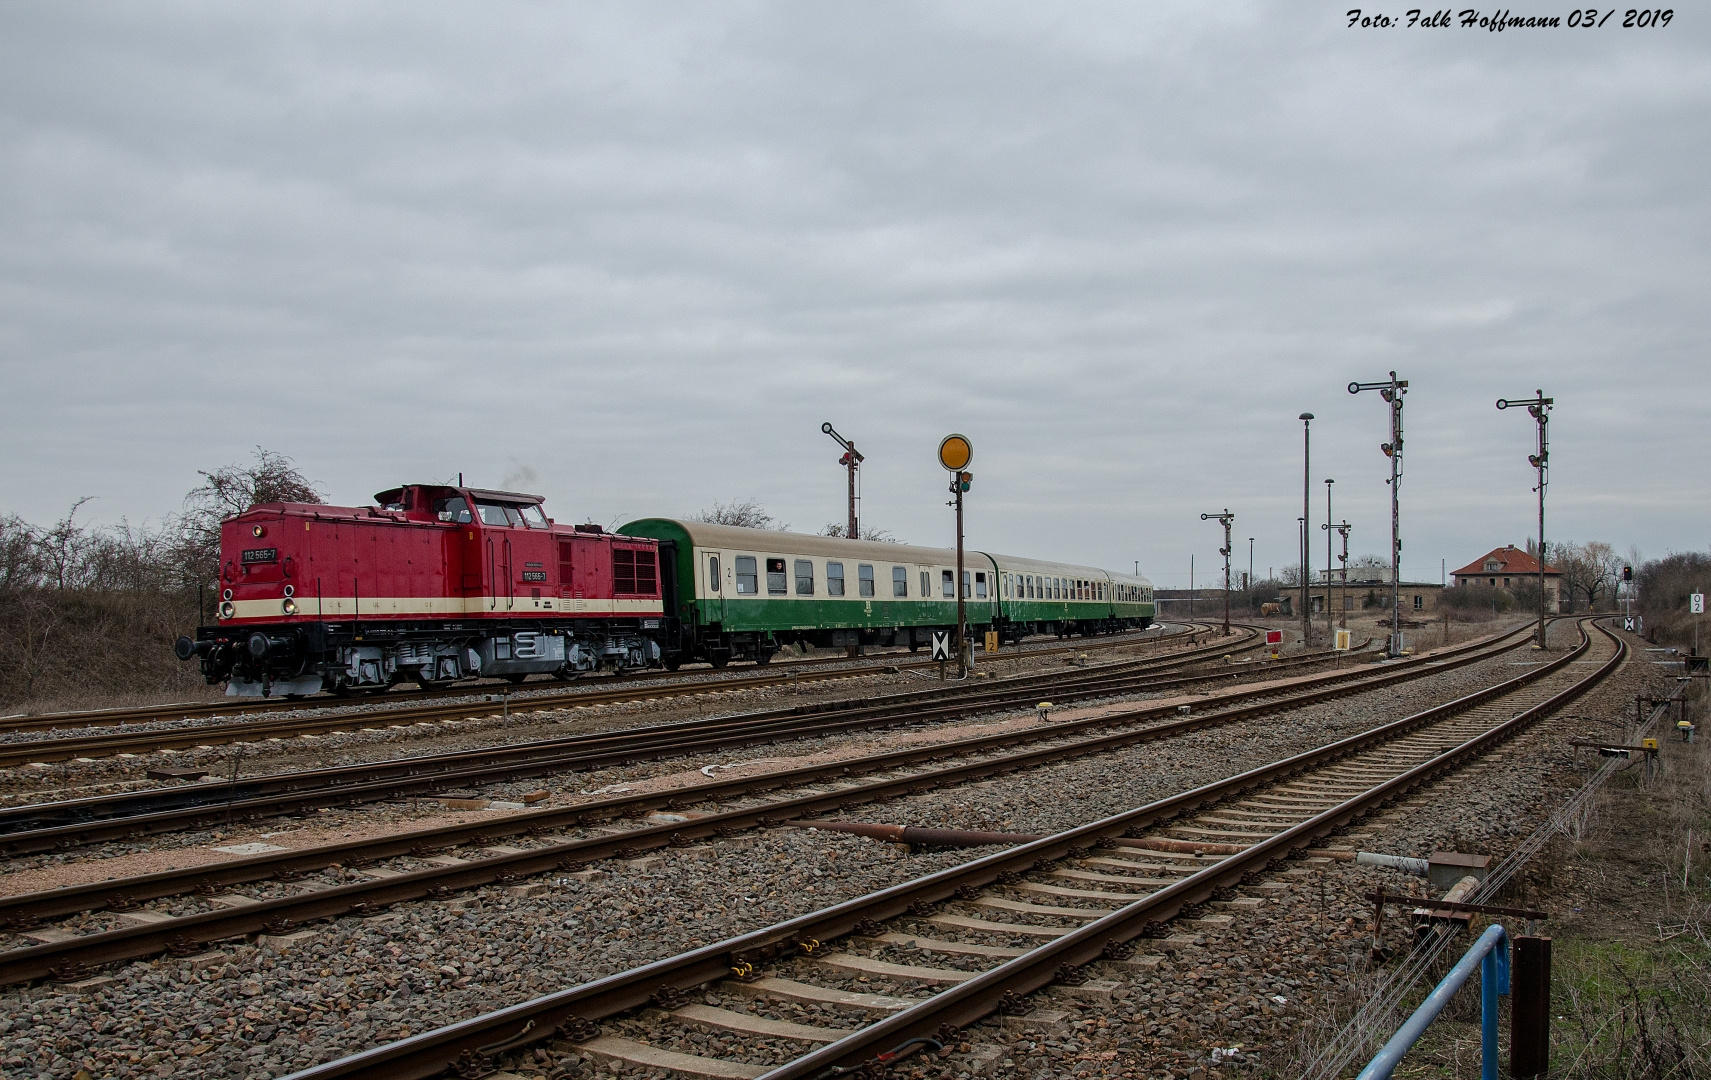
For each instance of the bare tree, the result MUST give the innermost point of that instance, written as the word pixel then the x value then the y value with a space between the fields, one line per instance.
pixel 1589 570
pixel 747 514
pixel 838 528
pixel 231 490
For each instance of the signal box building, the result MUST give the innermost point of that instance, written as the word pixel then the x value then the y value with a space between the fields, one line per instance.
pixel 1508 567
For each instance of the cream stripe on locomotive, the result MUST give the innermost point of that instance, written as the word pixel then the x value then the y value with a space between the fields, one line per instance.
pixel 346 607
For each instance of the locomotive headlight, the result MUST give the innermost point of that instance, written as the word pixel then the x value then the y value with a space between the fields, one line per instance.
pixel 227 610
pixel 290 590
pixel 289 607
pixel 258 531
pixel 226 595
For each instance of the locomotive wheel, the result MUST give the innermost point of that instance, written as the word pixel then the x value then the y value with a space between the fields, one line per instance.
pixel 672 663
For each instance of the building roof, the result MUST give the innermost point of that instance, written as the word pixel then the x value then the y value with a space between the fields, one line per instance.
pixel 1509 560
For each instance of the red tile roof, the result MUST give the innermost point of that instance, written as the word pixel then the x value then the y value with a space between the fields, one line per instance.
pixel 1511 560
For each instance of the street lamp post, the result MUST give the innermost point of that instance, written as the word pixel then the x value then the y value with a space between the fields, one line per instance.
pixel 1306 419
pixel 1539 407
pixel 1225 518
pixel 1392 392
pixel 851 461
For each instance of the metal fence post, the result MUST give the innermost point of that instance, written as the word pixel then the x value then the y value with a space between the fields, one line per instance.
pixel 1530 1008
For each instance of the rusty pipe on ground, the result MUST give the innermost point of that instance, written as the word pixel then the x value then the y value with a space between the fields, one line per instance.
pixel 910 834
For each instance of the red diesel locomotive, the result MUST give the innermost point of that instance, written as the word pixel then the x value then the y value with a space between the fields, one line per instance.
pixel 432 584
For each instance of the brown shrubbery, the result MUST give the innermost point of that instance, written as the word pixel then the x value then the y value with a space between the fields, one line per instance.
pixel 88 615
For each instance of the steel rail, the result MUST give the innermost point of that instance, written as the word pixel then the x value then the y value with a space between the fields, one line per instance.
pixel 745 678
pixel 70 958
pixel 23 910
pixel 115 742
pixel 214 800
pixel 55 826
pixel 476 1040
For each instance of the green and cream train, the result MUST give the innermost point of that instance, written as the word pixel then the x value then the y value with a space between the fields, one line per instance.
pixel 742 593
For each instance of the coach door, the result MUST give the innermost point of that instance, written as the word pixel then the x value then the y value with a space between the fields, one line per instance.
pixel 713 570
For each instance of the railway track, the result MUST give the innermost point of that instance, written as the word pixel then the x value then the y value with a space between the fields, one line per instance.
pixel 629 687
pixel 44 751
pixel 957 946
pixel 546 840
pixel 45 826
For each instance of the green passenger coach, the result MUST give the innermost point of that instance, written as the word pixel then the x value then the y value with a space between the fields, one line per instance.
pixel 746 593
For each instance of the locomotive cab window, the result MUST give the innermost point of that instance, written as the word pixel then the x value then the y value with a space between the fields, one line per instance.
pixel 748 581
pixel 899 581
pixel 493 513
pixel 453 510
pixel 834 579
pixel 776 584
pixel 864 576
pixel 804 577
pixel 533 517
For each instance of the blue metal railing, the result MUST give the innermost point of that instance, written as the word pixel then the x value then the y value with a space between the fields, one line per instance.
pixel 1491 955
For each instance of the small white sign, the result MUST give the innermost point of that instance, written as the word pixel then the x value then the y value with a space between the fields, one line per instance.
pixel 941 644
pixel 1696 603
pixel 1628 624
pixel 1343 638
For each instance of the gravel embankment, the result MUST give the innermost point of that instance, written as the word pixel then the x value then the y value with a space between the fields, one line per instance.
pixel 258 1010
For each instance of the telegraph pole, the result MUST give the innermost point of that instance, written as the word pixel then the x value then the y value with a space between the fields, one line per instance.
pixel 1225 518
pixel 851 461
pixel 955 453
pixel 1392 392
pixel 1329 633
pixel 1539 407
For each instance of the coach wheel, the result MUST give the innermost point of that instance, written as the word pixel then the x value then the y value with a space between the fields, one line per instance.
pixel 763 656
pixel 515 679
pixel 718 659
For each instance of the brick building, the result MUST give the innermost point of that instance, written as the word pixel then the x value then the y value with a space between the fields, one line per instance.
pixel 1507 567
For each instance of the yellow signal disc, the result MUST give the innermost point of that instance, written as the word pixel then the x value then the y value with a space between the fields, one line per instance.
pixel 955 452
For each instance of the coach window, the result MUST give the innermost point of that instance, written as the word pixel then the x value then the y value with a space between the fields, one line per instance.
pixel 776 585
pixel 748 582
pixel 947 581
pixel 834 578
pixel 804 577
pixel 965 584
pixel 713 573
pixel 980 586
pixel 899 581
pixel 864 577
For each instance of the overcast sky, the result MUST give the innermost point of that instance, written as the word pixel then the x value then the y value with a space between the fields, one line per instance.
pixel 631 256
